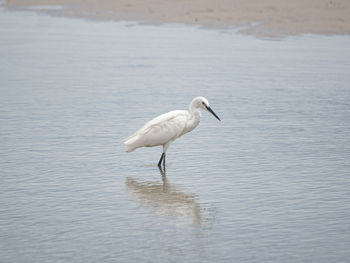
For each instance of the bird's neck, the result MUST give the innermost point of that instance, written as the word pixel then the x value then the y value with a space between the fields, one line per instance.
pixel 195 118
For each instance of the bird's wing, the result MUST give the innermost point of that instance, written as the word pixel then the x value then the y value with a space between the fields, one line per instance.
pixel 162 129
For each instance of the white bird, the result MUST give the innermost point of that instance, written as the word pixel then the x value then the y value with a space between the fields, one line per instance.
pixel 166 128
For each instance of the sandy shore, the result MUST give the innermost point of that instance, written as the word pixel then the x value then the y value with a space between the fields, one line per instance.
pixel 266 17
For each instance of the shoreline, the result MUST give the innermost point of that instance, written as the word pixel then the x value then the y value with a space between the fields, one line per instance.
pixel 267 18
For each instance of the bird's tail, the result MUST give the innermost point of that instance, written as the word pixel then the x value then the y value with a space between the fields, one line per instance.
pixel 130 143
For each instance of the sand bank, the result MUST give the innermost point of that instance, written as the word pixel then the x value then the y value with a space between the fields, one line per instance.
pixel 267 17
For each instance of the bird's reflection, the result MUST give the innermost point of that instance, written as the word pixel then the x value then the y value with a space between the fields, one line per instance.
pixel 166 199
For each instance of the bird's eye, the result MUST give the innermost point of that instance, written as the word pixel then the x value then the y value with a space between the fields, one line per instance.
pixel 203 103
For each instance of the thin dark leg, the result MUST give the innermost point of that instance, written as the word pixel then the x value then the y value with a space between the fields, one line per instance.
pixel 162 172
pixel 161 159
pixel 164 161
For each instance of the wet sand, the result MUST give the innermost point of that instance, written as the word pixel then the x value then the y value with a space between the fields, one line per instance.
pixel 264 17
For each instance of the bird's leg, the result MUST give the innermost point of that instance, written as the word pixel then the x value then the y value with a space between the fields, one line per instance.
pixel 164 161
pixel 162 172
pixel 165 148
pixel 161 159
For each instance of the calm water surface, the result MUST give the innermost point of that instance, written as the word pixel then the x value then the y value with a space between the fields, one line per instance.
pixel 269 183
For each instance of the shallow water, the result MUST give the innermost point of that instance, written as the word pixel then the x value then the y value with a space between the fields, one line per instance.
pixel 270 182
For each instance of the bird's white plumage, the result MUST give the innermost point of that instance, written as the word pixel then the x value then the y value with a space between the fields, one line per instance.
pixel 159 131
pixel 167 127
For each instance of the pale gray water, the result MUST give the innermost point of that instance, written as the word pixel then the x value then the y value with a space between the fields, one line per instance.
pixel 270 183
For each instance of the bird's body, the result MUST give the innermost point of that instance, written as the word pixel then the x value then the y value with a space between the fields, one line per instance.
pixel 164 129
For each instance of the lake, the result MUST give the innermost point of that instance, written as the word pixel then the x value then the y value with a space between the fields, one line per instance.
pixel 269 183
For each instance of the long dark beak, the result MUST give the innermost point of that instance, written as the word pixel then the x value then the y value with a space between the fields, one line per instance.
pixel 212 112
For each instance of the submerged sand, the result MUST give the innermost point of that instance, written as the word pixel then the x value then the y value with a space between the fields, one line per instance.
pixel 263 17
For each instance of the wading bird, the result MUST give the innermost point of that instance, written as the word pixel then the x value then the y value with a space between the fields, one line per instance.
pixel 166 128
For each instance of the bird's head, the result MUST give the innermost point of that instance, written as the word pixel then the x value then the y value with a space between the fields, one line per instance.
pixel 203 103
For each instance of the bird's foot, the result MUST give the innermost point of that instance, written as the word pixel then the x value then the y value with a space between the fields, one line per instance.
pixel 162 170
